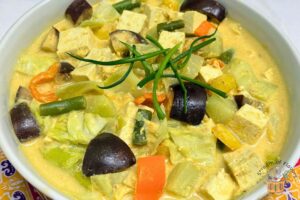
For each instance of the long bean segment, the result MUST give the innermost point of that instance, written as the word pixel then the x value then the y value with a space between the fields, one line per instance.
pixel 161 115
pixel 126 5
pixel 171 26
pixel 61 107
pixel 121 61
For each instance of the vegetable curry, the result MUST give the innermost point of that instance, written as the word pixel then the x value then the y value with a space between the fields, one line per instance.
pixel 149 100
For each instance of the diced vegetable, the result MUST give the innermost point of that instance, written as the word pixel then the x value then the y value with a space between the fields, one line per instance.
pixel 225 83
pixel 227 56
pixel 196 104
pixel 44 77
pixel 151 178
pixel 24 123
pixel 170 26
pixel 147 98
pixel 262 89
pixel 94 123
pixel 78 11
pixel 103 184
pixel 65 68
pixel 221 110
pixel 139 132
pixel 23 94
pixel 193 66
pixel 226 136
pixel 70 90
pixel 183 179
pixel 204 28
pixel 214 49
pixel 107 153
pixel 51 40
pixel 126 5
pixel 242 100
pixel 64 106
pixel 103 14
pixel 128 37
pixel 101 105
pixel 211 8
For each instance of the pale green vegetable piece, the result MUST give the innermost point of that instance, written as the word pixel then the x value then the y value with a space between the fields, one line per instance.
pixel 101 105
pixel 32 64
pixel 183 179
pixel 94 123
pixel 262 89
pixel 58 130
pixel 192 69
pixel 215 49
pixel 220 109
pixel 103 184
pixel 104 13
pixel 242 72
pixel 70 90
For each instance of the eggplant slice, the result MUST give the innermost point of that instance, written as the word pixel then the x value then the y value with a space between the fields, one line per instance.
pixel 107 153
pixel 213 9
pixel 24 123
pixel 23 94
pixel 79 11
pixel 66 68
pixel 51 41
pixel 196 104
pixel 129 37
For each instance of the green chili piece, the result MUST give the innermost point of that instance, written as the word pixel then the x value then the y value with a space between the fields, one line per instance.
pixel 64 106
pixel 171 26
pixel 126 5
pixel 139 132
pixel 227 56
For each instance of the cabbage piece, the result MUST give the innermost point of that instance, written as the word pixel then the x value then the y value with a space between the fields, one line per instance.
pixel 102 14
pixel 183 179
pixel 196 143
pixel 262 89
pixel 220 109
pixel 101 105
pixel 32 64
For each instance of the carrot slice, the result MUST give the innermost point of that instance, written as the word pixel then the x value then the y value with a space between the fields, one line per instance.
pixel 44 77
pixel 204 28
pixel 151 178
pixel 146 99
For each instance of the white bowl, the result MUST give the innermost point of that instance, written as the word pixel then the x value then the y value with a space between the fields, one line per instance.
pixel 31 25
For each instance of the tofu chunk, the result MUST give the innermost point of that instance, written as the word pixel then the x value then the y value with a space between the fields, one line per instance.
pixel 132 21
pixel 192 20
pixel 209 73
pixel 221 186
pixel 246 166
pixel 88 71
pixel 170 39
pixel 249 123
pixel 78 41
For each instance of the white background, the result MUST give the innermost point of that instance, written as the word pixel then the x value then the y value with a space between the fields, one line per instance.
pixel 285 13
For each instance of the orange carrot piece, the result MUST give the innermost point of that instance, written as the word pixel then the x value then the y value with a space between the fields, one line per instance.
pixel 151 178
pixel 44 77
pixel 204 28
pixel 147 99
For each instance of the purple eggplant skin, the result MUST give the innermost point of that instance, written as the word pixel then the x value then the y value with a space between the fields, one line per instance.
pixel 66 68
pixel 213 9
pixel 24 122
pixel 129 37
pixel 78 11
pixel 23 94
pixel 196 104
pixel 107 153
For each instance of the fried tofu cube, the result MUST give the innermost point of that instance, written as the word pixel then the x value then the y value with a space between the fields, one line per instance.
pixel 170 39
pixel 220 186
pixel 155 15
pixel 209 73
pixel 132 21
pixel 249 123
pixel 246 166
pixel 192 20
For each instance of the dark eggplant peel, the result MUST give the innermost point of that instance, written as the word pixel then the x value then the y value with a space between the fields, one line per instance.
pixel 107 153
pixel 24 123
pixel 213 9
pixel 78 11
pixel 196 104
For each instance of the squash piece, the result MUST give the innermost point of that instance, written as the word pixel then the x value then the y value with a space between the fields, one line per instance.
pixel 226 136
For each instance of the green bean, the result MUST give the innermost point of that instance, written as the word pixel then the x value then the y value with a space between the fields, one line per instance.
pixel 121 61
pixel 161 115
pixel 139 133
pixel 171 26
pixel 126 5
pixel 61 107
pixel 147 67
pixel 156 43
pixel 227 56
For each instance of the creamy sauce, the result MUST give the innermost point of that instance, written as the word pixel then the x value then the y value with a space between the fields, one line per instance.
pixel 247 48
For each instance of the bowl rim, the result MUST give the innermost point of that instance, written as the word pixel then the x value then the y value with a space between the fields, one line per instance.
pixel 51 192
